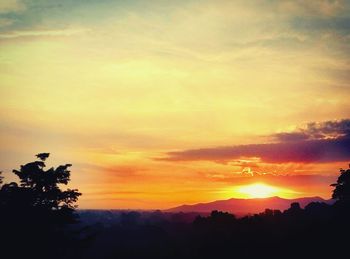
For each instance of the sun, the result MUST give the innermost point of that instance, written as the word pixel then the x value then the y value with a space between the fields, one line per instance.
pixel 258 190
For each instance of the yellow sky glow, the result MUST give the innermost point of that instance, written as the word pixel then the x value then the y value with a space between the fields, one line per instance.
pixel 261 190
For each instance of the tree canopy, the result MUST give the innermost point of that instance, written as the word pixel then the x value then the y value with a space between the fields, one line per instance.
pixel 38 192
pixel 341 192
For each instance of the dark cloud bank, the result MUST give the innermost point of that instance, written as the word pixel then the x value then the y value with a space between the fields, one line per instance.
pixel 317 142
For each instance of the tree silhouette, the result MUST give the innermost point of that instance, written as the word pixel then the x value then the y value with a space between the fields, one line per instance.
pixel 35 211
pixel 341 192
pixel 39 194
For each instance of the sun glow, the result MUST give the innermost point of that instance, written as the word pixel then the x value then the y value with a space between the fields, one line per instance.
pixel 259 190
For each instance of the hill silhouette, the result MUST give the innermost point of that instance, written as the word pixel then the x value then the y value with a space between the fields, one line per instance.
pixel 247 206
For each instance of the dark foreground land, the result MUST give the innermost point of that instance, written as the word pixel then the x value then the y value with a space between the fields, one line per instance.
pixel 39 220
pixel 318 231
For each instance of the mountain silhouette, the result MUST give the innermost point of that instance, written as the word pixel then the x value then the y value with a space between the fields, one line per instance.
pixel 247 206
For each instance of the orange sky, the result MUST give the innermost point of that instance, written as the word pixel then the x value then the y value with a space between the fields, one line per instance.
pixel 160 103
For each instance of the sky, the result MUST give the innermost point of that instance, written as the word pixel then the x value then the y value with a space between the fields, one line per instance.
pixel 161 103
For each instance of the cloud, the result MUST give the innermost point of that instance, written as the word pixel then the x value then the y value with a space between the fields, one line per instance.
pixel 5 22
pixel 318 142
pixel 293 180
pixel 291 136
pixel 7 6
pixel 321 130
pixel 338 24
pixel 37 33
pixel 311 7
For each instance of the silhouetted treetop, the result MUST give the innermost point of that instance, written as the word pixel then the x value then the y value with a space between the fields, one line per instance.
pixel 35 212
pixel 341 191
pixel 39 189
pixel 43 156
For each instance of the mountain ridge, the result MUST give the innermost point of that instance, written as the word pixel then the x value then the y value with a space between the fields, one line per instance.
pixel 246 205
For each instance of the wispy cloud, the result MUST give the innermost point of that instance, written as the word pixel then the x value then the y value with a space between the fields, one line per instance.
pixel 317 131
pixel 318 142
pixel 7 6
pixel 38 33
pixel 311 7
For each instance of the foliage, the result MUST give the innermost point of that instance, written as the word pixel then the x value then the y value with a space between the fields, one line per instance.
pixel 341 191
pixel 39 194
